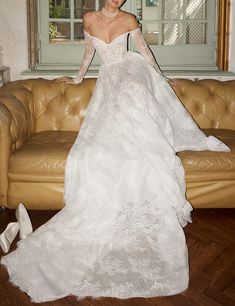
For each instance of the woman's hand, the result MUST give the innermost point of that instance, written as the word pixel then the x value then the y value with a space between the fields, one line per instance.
pixel 66 79
pixel 174 83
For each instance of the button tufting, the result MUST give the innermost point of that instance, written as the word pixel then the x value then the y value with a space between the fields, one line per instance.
pixel 46 106
pixel 213 124
pixel 73 110
pixel 226 108
pixel 58 124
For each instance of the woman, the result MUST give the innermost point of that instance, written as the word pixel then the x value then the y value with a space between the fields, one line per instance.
pixel 110 22
pixel 120 233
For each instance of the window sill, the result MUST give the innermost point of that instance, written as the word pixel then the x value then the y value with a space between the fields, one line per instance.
pixel 188 74
pixel 51 74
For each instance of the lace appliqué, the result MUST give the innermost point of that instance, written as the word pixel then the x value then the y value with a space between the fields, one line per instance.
pixel 143 48
pixel 87 58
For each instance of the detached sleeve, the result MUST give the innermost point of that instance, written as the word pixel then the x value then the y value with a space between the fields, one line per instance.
pixel 143 48
pixel 87 58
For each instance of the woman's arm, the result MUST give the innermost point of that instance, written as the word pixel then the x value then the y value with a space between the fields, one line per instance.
pixel 87 58
pixel 143 48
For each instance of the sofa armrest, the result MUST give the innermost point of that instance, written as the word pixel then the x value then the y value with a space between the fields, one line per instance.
pixel 14 131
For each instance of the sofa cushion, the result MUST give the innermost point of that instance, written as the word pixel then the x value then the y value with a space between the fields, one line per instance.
pixel 42 157
pixel 209 161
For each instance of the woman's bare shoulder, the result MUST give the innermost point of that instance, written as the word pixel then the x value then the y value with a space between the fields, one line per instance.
pixel 89 18
pixel 89 15
pixel 131 20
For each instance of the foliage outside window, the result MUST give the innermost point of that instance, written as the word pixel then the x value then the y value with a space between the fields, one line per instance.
pixel 65 19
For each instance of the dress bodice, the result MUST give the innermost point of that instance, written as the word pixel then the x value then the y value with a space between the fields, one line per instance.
pixel 112 52
pixel 115 51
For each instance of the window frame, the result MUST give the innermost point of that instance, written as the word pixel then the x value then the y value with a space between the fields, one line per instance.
pixel 185 56
pixel 224 11
pixel 222 53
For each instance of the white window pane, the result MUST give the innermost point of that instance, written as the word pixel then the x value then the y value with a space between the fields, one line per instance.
pixel 151 33
pixel 196 9
pixel 173 9
pixel 172 34
pixel 196 33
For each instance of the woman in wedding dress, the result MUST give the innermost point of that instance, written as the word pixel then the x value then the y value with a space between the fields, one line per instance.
pixel 120 233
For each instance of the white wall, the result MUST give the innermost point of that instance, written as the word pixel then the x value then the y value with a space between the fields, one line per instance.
pixel 13 35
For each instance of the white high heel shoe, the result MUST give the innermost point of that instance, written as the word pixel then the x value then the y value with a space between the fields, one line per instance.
pixel 25 224
pixel 8 235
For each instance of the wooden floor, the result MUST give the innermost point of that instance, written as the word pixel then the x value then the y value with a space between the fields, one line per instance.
pixel 211 243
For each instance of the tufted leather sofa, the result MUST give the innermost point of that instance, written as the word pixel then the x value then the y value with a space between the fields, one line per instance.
pixel 40 119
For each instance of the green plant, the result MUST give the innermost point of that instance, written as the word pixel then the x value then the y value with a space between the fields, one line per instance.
pixel 56 11
pixel 52 30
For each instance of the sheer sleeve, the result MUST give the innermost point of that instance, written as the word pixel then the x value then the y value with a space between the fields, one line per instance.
pixel 87 58
pixel 143 48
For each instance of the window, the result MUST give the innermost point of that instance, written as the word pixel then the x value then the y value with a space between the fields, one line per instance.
pixel 65 19
pixel 61 31
pixel 180 32
pixel 183 34
pixel 175 22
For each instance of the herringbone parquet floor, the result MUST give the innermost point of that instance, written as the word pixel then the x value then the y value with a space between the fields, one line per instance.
pixel 211 243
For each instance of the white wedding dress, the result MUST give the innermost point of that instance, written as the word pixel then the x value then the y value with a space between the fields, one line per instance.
pixel 120 233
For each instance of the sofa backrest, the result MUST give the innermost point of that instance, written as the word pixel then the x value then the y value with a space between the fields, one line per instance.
pixel 55 106
pixel 59 106
pixel 49 105
pixel 210 102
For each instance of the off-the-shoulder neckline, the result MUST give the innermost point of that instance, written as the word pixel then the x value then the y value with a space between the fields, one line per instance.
pixel 127 32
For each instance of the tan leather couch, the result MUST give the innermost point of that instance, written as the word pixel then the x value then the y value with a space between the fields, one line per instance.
pixel 40 119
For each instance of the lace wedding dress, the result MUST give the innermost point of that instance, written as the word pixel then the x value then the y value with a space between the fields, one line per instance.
pixel 120 233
